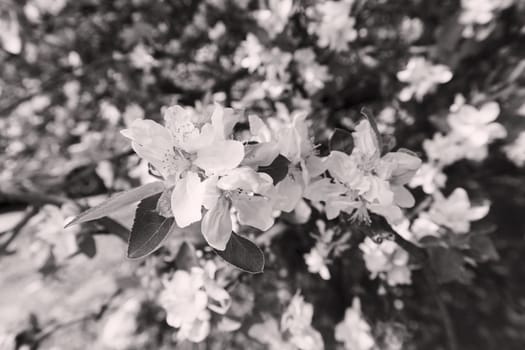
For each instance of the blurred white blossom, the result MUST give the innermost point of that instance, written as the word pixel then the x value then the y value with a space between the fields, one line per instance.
pixel 422 78
pixel 353 331
pixel 386 260
pixel 515 151
pixel 333 24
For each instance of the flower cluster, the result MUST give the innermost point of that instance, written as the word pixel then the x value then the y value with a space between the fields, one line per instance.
pixel 366 180
pixel 189 297
pixel 295 331
pixel 423 77
pixel 354 331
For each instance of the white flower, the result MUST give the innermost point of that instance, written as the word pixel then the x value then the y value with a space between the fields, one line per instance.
pixel 456 211
pixel 430 177
pixel 316 262
pixel 515 151
pixel 333 24
pixel 186 302
pixel 387 260
pixel 10 33
pixel 354 331
pixel 479 13
pixel 141 58
pixel 443 149
pixel 422 77
pixel 190 147
pixel 243 189
pixel 120 329
pixel 269 333
pixel 312 73
pixel 275 17
pixel 188 298
pixel 373 182
pixel 297 321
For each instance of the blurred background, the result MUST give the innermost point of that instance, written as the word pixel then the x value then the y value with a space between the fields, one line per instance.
pixel 444 79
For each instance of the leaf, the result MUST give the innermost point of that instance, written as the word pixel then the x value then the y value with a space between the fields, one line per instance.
pixel 149 229
pixel 186 257
pixel 86 245
pixel 449 265
pixel 277 170
pixel 243 254
pixel 482 249
pixel 118 201
pixel 115 228
pixel 342 140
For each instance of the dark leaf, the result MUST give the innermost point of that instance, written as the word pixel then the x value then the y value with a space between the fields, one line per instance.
pixel 342 140
pixel 243 254
pixel 86 245
pixel 115 228
pixel 186 257
pixel 149 229
pixel 449 265
pixel 277 170
pixel 118 201
pixel 482 249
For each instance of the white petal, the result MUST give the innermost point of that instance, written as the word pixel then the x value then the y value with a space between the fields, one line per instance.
pixel 217 225
pixel 255 211
pixel 186 200
pixel 403 197
pixel 220 156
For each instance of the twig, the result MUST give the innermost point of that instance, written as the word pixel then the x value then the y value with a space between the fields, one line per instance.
pixel 95 316
pixel 429 275
pixel 18 228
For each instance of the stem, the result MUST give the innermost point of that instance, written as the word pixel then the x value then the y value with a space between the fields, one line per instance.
pixel 448 325
pixel 18 228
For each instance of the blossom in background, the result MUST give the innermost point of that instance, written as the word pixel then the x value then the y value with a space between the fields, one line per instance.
pixel 476 13
pixel 515 151
pixel 332 23
pixel 269 333
pixel 476 128
pixel 471 131
pixel 295 332
pixel 456 212
pixel 354 332
pixel 121 330
pixel 274 18
pixel 189 297
pixel 422 78
pixel 327 246
pixel 141 58
pixel 297 320
pixel 373 182
pixel 430 177
pixel 10 33
pixel 386 260
pixel 310 72
pixel 51 233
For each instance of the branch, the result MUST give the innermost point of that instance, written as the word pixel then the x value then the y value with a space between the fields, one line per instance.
pixel 448 325
pixel 18 228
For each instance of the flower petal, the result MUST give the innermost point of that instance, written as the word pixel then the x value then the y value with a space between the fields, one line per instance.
pixel 255 211
pixel 220 156
pixel 217 225
pixel 186 200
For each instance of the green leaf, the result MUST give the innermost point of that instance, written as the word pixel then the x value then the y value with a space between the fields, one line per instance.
pixel 342 140
pixel 243 254
pixel 149 229
pixel 186 257
pixel 277 170
pixel 118 201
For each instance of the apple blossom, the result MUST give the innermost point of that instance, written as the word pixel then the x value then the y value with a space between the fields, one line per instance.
pixel 422 77
pixel 354 332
